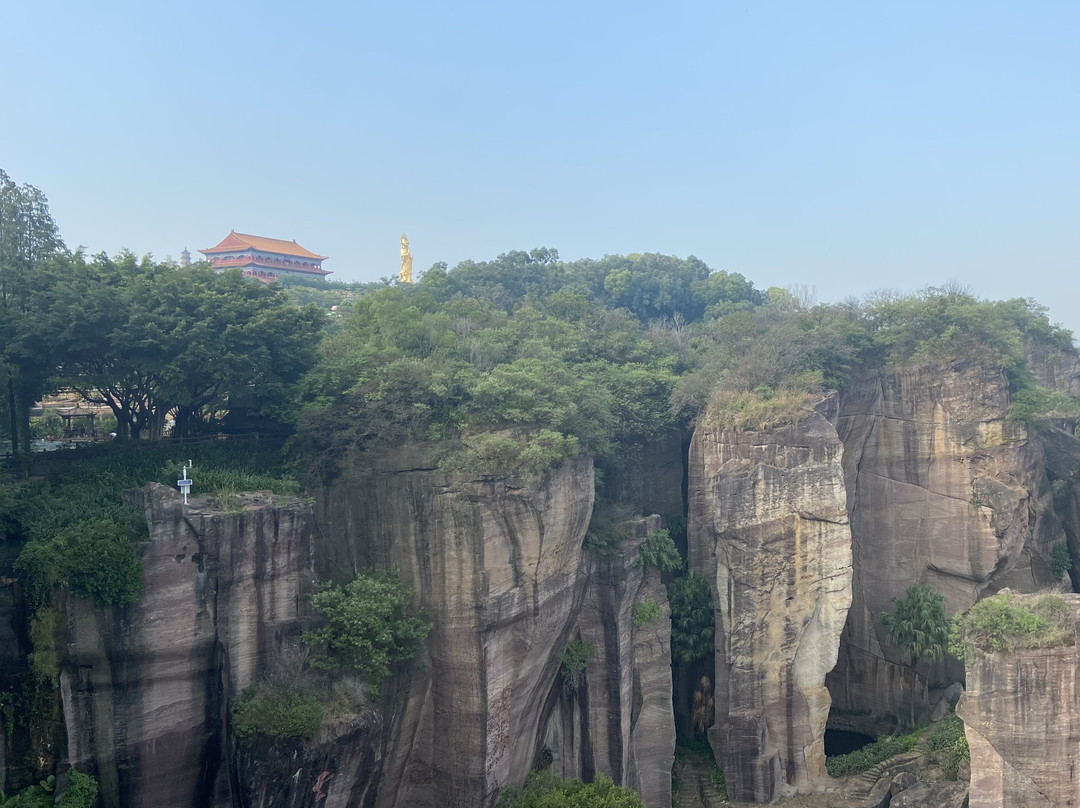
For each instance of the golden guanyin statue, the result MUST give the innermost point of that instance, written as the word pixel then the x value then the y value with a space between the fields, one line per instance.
pixel 406 260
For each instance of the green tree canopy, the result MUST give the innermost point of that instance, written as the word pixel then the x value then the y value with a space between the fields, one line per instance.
pixel 367 626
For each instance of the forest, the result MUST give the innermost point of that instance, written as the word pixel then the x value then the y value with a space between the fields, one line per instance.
pixel 507 369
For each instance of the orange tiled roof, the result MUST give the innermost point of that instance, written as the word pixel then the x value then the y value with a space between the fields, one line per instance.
pixel 242 241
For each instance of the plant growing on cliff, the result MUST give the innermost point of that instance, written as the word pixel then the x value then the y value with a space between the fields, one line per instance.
pixel 645 612
pixel 281 713
pixel 1002 623
pixel 918 627
pixel 947 745
pixel 659 552
pixel 1060 560
pixel 574 661
pixel 368 626
pixel 692 618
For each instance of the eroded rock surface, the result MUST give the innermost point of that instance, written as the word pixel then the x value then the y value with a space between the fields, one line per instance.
pixel 769 530
pixel 942 490
pixel 145 689
pixel 499 566
pixel 1021 715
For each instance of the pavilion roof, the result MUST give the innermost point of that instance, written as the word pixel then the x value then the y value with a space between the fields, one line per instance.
pixel 243 241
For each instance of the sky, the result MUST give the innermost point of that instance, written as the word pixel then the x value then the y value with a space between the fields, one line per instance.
pixel 847 147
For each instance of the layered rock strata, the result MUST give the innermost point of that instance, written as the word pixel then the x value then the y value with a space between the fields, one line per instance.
pixel 1021 714
pixel 146 689
pixel 769 530
pixel 499 567
pixel 942 490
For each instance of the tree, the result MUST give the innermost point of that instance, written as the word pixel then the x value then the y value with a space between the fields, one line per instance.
pixel 148 339
pixel 692 618
pixel 366 627
pixel 28 239
pixel 919 629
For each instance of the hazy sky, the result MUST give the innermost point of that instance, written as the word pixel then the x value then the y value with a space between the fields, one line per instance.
pixel 847 146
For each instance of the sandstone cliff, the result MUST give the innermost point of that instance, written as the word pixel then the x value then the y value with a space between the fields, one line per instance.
pixel 499 566
pixel 942 490
pixel 1021 713
pixel 146 689
pixel 769 530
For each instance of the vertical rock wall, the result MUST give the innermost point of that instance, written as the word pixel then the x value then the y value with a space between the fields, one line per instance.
pixel 769 531
pixel 145 689
pixel 1021 714
pixel 499 566
pixel 620 719
pixel 942 490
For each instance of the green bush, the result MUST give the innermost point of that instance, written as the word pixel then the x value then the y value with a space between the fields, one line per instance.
pixel 659 552
pixel 1060 560
pixel 947 745
pixel 367 626
pixel 869 756
pixel 291 713
pixel 574 660
pixel 1002 623
pixel 544 789
pixel 645 612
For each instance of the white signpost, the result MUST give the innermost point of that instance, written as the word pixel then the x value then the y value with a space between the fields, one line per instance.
pixel 185 484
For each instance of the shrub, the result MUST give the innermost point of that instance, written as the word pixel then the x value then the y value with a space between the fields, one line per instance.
pixel 659 551
pixel 1002 623
pixel 544 789
pixel 1060 560
pixel 947 745
pixel 81 791
pixel 290 713
pixel 574 660
pixel 367 626
pixel 645 612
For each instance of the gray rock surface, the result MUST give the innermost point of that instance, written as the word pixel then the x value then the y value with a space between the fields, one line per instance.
pixel 146 689
pixel 1021 716
pixel 499 566
pixel 769 530
pixel 942 490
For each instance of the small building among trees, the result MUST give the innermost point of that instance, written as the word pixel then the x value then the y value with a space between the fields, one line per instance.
pixel 264 258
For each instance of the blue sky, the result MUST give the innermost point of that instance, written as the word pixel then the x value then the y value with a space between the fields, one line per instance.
pixel 845 146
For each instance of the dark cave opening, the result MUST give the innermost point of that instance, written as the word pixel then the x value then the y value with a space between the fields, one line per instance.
pixel 842 741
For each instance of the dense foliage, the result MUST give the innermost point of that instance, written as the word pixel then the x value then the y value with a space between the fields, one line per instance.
pixel 658 552
pixel 946 745
pixel 287 713
pixel 81 792
pixel 575 658
pixel 1002 623
pixel 917 625
pixel 692 618
pixel 367 626
pixel 544 789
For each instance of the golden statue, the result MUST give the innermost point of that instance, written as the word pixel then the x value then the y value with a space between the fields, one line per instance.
pixel 406 260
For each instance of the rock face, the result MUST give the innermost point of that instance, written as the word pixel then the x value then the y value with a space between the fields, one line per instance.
pixel 145 689
pixel 944 491
pixel 620 720
pixel 769 530
pixel 1021 714
pixel 499 567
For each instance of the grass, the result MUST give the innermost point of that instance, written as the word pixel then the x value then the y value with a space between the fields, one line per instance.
pixel 947 745
pixel 1005 623
pixel 760 409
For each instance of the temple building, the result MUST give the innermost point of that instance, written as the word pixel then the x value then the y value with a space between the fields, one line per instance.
pixel 264 258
